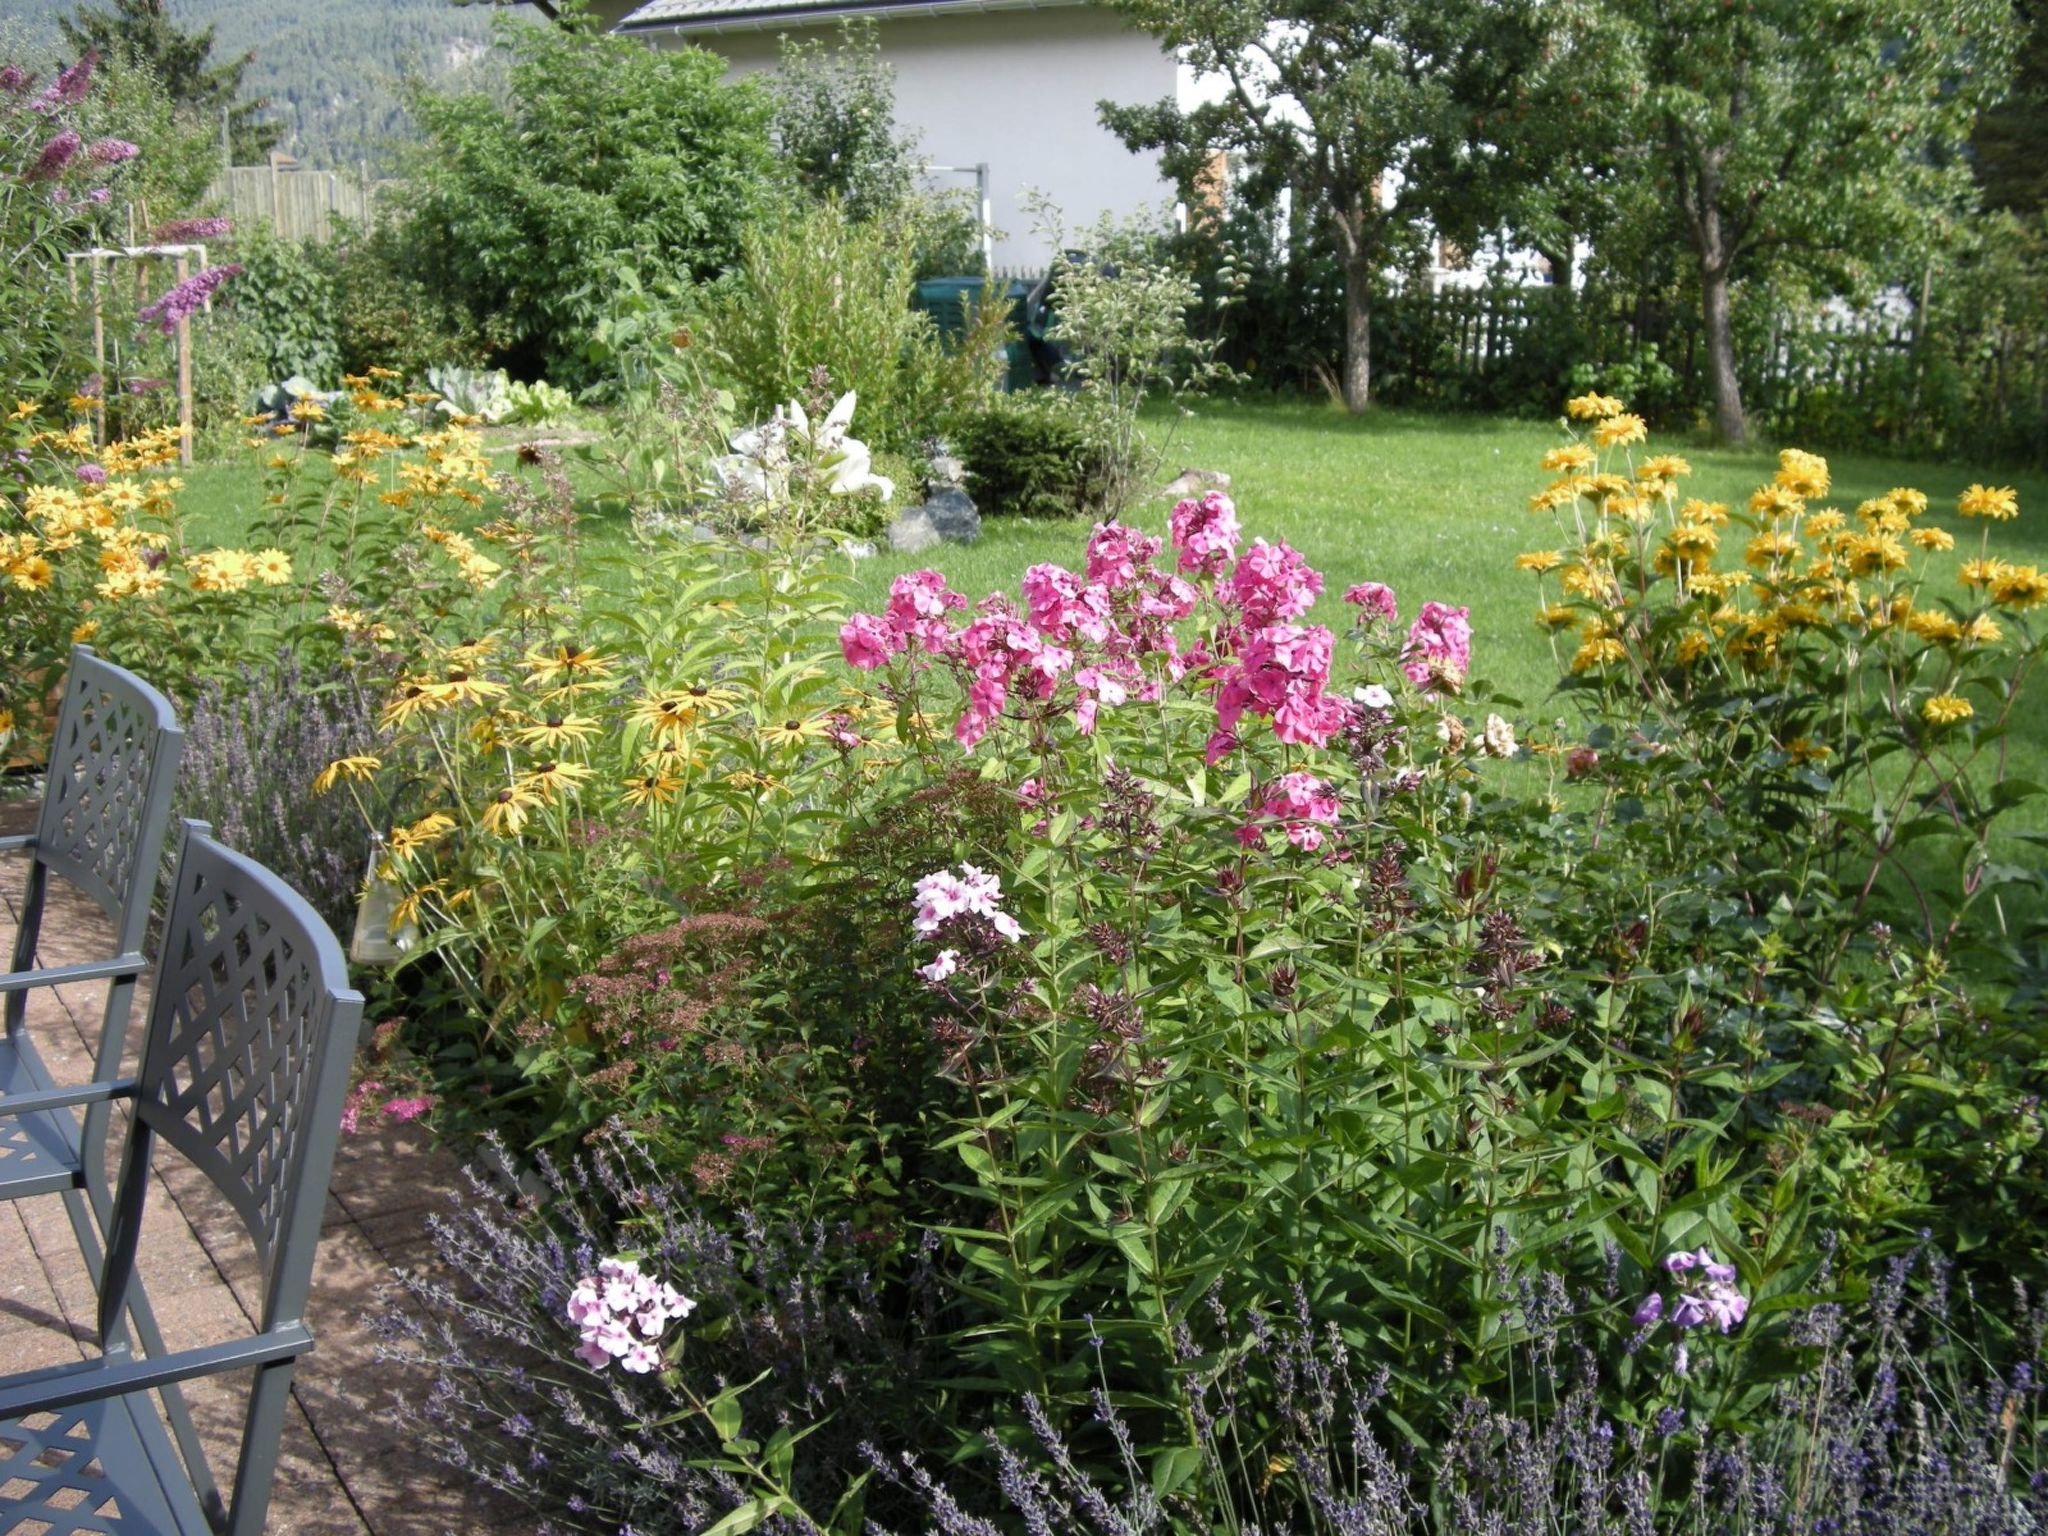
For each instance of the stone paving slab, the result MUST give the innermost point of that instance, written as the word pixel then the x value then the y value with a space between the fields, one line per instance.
pixel 344 1470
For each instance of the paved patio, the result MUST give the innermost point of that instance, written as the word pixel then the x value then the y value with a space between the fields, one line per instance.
pixel 345 1470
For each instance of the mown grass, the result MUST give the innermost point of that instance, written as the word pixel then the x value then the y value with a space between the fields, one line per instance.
pixel 1436 506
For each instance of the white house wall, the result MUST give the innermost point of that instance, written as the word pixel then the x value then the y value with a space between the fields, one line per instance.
pixel 1017 89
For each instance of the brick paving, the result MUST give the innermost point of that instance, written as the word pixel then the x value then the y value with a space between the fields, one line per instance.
pixel 345 1469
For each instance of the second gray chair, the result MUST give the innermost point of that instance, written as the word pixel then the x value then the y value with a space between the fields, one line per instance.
pixel 245 1061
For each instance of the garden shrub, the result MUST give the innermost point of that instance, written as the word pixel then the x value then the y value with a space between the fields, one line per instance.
pixel 1029 458
pixel 288 295
pixel 508 212
pixel 385 317
pixel 815 289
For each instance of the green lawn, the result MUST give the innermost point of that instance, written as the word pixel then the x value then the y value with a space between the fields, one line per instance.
pixel 1436 506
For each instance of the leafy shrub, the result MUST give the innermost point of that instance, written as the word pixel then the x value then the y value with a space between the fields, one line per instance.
pixel 1028 458
pixel 508 212
pixel 288 296
pixel 817 289
pixel 388 318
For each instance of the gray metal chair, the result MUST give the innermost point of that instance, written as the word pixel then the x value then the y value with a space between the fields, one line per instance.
pixel 106 807
pixel 245 1060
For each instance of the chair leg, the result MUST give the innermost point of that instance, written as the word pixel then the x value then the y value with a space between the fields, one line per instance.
pixel 28 931
pixel 88 1226
pixel 262 1438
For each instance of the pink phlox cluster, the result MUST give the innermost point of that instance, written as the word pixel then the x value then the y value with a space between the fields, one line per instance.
pixel 1279 672
pixel 944 964
pixel 1271 583
pixel 1706 1293
pixel 185 300
pixel 1062 604
pixel 620 1313
pixel 1303 805
pixel 1439 644
pixel 1374 600
pixel 1097 686
pixel 943 896
pixel 1116 553
pixel 1205 534
pixel 915 618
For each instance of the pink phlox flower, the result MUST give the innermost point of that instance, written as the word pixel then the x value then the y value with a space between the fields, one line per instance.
pixel 1096 687
pixel 944 964
pixel 1280 673
pixel 1031 791
pixel 640 1359
pixel 1303 804
pixel 619 1313
pixel 918 604
pixel 1115 552
pixel 1170 599
pixel 1221 744
pixel 1270 583
pixel 1205 533
pixel 1440 639
pixel 867 642
pixel 1374 600
pixel 1061 604
pixel 944 895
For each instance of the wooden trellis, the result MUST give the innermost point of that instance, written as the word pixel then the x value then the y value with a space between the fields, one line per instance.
pixel 99 259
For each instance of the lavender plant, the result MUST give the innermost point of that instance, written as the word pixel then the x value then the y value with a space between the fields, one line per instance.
pixel 1894 1422
pixel 784 1341
pixel 253 744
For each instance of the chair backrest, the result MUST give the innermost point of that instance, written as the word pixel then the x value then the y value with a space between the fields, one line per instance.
pixel 107 801
pixel 245 1064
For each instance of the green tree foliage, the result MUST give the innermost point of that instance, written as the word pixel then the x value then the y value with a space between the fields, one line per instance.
pixel 2010 146
pixel 1776 136
pixel 602 147
pixel 1369 106
pixel 142 33
pixel 835 121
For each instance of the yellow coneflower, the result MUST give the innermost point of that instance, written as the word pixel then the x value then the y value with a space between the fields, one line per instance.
pixel 1620 430
pixel 795 731
pixel 1933 538
pixel 554 778
pixel 555 731
pixel 1999 503
pixel 569 662
pixel 652 789
pixel 507 812
pixel 272 567
pixel 1946 709
pixel 1539 561
pixel 430 827
pixel 415 696
pixel 357 768
pixel 465 687
pixel 1592 407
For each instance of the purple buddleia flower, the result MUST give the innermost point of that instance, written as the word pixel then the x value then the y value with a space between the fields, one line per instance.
pixel 113 151
pixel 91 474
pixel 185 231
pixel 54 156
pixel 14 79
pixel 99 195
pixel 69 88
pixel 184 301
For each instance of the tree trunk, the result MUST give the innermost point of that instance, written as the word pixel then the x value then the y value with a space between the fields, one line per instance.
pixel 1722 384
pixel 1357 333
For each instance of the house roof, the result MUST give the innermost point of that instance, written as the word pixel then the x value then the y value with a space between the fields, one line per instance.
pixel 765 15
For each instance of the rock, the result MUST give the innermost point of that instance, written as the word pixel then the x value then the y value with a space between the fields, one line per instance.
pixel 912 533
pixel 858 549
pixel 951 512
pixel 1196 482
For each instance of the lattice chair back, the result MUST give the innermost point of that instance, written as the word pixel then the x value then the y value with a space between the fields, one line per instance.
pixel 107 800
pixel 245 1063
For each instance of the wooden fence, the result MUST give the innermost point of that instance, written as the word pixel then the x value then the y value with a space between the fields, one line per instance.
pixel 298 204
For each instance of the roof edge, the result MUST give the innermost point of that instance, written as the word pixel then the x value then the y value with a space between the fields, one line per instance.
pixel 783 15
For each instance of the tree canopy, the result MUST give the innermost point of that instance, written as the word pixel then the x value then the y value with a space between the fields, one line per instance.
pixel 142 34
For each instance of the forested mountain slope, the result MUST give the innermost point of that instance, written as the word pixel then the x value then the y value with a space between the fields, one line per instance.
pixel 331 68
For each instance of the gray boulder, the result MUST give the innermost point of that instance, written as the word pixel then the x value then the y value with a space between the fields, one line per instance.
pixel 1196 482
pixel 912 533
pixel 951 512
